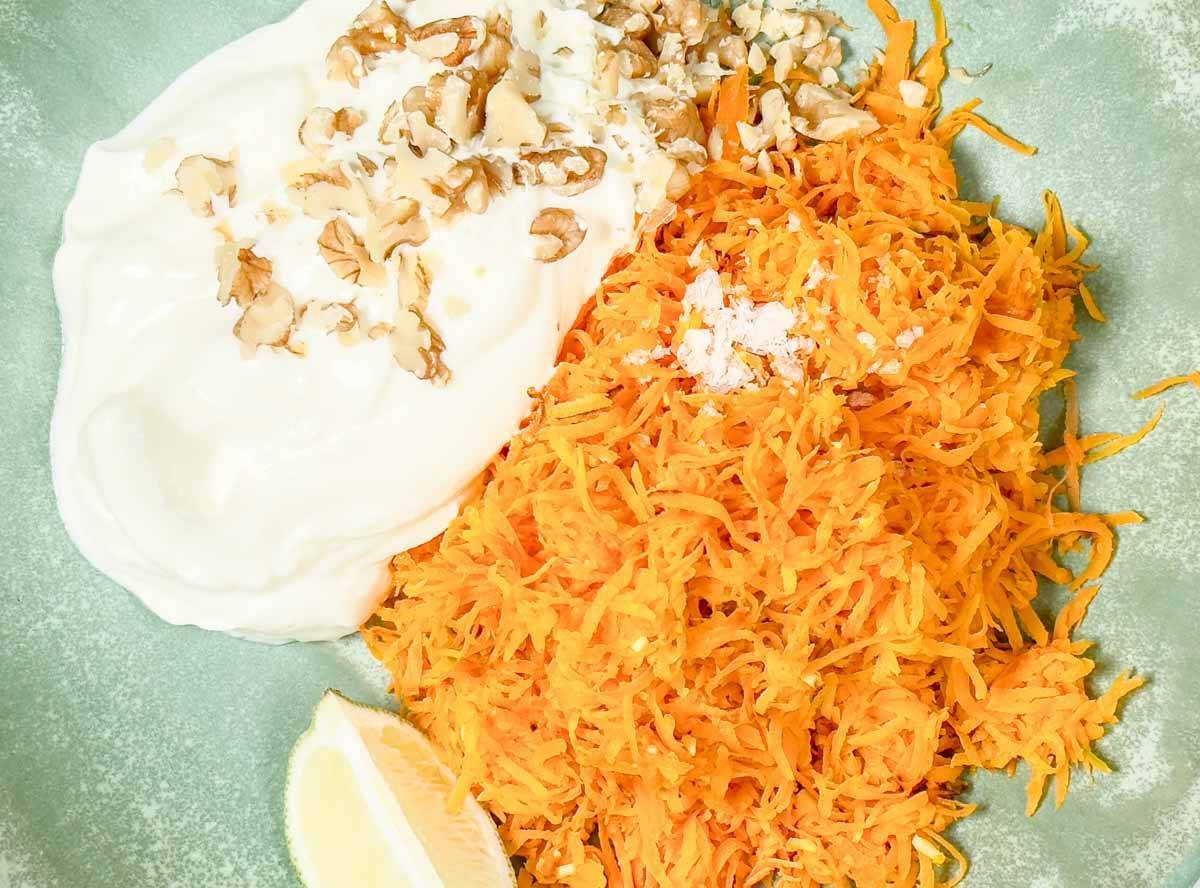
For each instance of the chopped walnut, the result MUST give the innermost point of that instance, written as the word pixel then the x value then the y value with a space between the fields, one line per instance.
pixel 825 116
pixel 787 56
pixel 376 31
pixel 826 54
pixel 452 116
pixel 340 318
pixel 415 345
pixel 394 223
pixel 775 127
pixel 661 178
pixel 632 22
pixel 459 186
pixel 323 193
pixel 341 248
pixel 913 93
pixel 688 18
pixel 322 124
pixel 569 171
pixel 418 348
pixel 557 234
pixel 414 282
pixel 749 17
pixel 675 119
pixel 242 275
pixel 731 50
pixel 268 320
pixel 425 135
pixel 394 128
pixel 369 166
pixel 510 121
pixel 412 119
pixel 457 101
pixel 635 59
pixel 448 41
pixel 496 54
pixel 630 58
pixel 756 59
pixel 606 75
pixel 201 179
pixel 526 73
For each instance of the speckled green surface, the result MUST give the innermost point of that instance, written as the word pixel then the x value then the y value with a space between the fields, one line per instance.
pixel 138 754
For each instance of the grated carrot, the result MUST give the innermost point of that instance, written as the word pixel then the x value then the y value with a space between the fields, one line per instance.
pixel 681 638
pixel 1159 387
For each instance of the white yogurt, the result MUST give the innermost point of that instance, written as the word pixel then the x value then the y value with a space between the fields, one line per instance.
pixel 263 495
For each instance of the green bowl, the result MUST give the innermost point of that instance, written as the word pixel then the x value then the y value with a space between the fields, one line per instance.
pixel 133 753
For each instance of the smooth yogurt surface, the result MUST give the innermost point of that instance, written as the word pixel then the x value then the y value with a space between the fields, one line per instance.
pixel 263 493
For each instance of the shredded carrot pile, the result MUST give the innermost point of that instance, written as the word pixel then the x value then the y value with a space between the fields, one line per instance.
pixel 682 638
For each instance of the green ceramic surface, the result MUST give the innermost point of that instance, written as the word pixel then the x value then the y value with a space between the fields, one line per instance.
pixel 133 753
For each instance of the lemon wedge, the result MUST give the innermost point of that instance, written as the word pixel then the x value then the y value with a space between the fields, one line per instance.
pixel 366 806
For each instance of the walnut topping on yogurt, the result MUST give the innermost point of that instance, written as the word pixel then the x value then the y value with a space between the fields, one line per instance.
pixel 204 180
pixel 440 119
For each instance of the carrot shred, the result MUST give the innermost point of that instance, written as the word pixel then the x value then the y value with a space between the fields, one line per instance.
pixel 1071 445
pixel 684 638
pixel 1159 387
pixel 1112 448
pixel 733 107
pixel 1089 302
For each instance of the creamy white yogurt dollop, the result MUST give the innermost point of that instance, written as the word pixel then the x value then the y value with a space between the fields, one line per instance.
pixel 262 493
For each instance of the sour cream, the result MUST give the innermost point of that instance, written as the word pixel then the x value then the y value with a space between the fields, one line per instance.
pixel 262 494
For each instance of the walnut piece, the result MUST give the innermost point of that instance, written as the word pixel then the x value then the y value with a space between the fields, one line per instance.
pixel 569 171
pixel 635 59
pixel 913 93
pixel 242 275
pixel 415 345
pixel 458 186
pixel 393 224
pixel 557 234
pixel 687 18
pixel 322 124
pixel 268 320
pixel 376 31
pixel 496 54
pixel 393 129
pixel 338 318
pixel 826 116
pixel 631 21
pixel 347 257
pixel 678 128
pixel 526 72
pixel 775 128
pixel 418 348
pixel 414 282
pixel 201 179
pixel 412 119
pixel 323 193
pixel 369 166
pixel 511 121
pixel 454 102
pixel 448 41
pixel 661 178
pixel 453 116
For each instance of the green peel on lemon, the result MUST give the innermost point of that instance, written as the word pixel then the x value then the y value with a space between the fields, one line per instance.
pixel 367 806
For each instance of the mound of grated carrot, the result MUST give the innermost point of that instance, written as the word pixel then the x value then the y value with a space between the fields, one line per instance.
pixel 680 638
